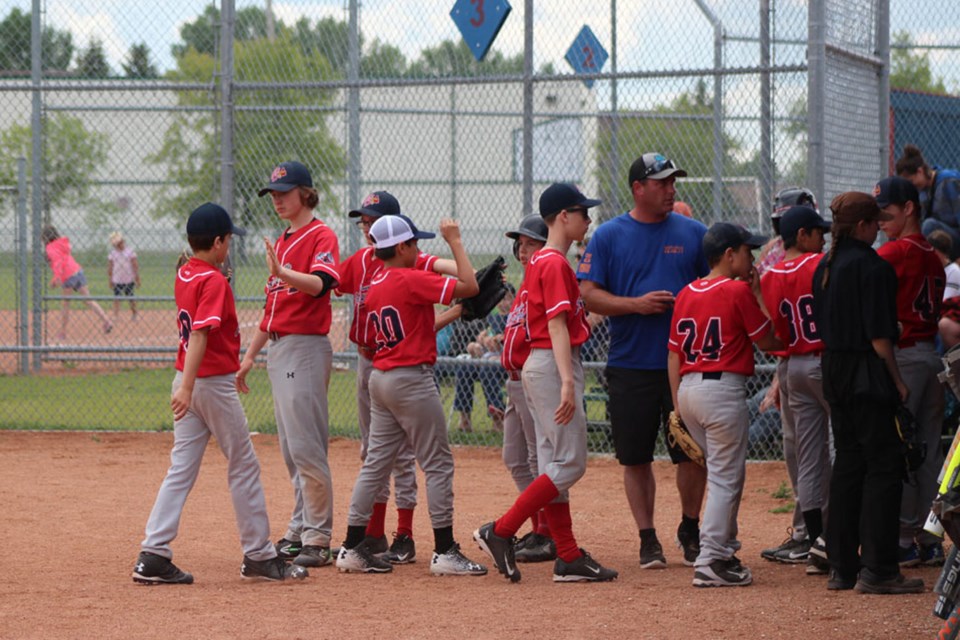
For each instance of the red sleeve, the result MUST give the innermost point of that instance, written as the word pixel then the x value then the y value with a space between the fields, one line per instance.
pixel 556 298
pixel 210 302
pixel 349 271
pixel 425 261
pixel 428 287
pixel 326 253
pixel 754 320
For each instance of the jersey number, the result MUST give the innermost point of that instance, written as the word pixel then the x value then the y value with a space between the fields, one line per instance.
pixel 800 319
pixel 388 330
pixel 927 301
pixel 710 345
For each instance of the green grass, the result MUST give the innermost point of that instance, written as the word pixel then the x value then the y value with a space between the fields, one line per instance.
pixel 784 508
pixel 783 492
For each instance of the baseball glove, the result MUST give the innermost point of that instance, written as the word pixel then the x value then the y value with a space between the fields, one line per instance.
pixel 492 290
pixel 678 436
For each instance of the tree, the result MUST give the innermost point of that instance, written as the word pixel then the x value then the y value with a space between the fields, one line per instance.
pixel 451 58
pixel 910 70
pixel 138 63
pixel 202 34
pixel 73 156
pixel 277 130
pixel 383 60
pixel 92 61
pixel 57 46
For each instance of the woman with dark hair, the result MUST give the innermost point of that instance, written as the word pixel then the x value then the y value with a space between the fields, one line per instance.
pixel 939 193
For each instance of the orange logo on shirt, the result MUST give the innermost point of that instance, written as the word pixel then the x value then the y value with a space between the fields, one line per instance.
pixel 672 249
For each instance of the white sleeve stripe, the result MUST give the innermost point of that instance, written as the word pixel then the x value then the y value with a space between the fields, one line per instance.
pixel 198 323
pixel 446 285
pixel 762 327
pixel 564 303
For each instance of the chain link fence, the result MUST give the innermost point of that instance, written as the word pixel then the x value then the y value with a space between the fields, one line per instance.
pixel 143 112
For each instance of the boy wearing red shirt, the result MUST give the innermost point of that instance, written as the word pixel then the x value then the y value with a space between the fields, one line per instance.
pixel 716 321
pixel 553 384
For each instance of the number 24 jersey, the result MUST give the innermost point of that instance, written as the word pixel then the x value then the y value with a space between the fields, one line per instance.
pixel 714 325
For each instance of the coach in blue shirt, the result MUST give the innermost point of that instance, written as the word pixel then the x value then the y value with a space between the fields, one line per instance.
pixel 633 267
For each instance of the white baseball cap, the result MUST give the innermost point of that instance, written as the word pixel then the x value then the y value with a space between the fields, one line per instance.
pixel 389 231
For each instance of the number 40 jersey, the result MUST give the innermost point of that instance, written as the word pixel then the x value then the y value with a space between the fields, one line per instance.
pixel 787 289
pixel 714 325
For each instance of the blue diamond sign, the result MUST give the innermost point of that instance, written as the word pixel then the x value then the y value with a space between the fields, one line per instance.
pixel 586 54
pixel 479 22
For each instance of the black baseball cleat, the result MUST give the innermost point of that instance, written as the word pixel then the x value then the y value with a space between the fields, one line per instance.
pixel 583 569
pixel 153 569
pixel 313 556
pixel 535 547
pixel 402 551
pixel 288 549
pixel 501 550
pixel 272 570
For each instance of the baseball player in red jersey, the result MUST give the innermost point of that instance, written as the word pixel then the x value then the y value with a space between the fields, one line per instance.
pixel 716 320
pixel 296 320
pixel 405 401
pixel 920 284
pixel 553 384
pixel 205 402
pixel 519 433
pixel 787 289
pixel 356 272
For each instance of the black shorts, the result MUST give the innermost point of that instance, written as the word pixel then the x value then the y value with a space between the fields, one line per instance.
pixel 123 289
pixel 639 404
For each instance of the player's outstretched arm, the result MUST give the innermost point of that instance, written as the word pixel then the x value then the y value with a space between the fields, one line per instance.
pixel 197 347
pixel 445 267
pixel 560 343
pixel 307 282
pixel 259 339
pixel 447 316
pixel 466 278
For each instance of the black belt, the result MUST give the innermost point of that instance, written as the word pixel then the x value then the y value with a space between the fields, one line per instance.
pixel 514 375
pixel 711 375
pixel 276 335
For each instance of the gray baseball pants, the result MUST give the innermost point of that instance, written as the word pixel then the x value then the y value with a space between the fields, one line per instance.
pixel 561 448
pixel 919 366
pixel 789 433
pixel 299 369
pixel 716 413
pixel 215 409
pixel 519 437
pixel 405 409
pixel 811 422
pixel 405 470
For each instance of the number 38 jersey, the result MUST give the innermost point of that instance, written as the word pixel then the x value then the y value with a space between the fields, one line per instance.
pixel 920 284
pixel 714 325
pixel 787 289
pixel 400 316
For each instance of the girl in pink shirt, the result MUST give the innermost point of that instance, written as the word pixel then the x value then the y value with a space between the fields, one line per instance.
pixel 68 275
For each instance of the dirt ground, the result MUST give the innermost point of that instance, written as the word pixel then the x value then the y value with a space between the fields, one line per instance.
pixel 74 507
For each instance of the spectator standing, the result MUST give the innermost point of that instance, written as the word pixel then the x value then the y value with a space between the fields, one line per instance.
pixel 123 270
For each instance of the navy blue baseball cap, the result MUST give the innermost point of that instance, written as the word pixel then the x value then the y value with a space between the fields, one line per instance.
pixel 798 217
pixel 563 195
pixel 286 176
pixel 389 231
pixel 211 219
pixel 895 190
pixel 378 203
pixel 723 235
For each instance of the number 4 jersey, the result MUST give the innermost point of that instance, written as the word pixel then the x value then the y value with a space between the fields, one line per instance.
pixel 714 325
pixel 920 284
pixel 400 316
pixel 787 289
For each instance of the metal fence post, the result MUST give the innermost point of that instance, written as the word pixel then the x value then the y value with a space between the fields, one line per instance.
pixel 36 133
pixel 766 128
pixel 23 265
pixel 227 173
pixel 354 166
pixel 883 52
pixel 718 36
pixel 528 107
pixel 816 89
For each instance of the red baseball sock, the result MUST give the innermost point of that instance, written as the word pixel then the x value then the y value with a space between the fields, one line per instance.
pixel 558 513
pixel 540 492
pixel 405 522
pixel 543 526
pixel 375 526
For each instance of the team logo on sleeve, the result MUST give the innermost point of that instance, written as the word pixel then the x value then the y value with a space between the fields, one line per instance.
pixel 325 257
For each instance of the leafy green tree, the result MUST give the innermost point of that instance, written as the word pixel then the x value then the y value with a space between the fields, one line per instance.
pixel 137 64
pixel 382 60
pixel 92 61
pixel 910 70
pixel 57 46
pixel 73 156
pixel 451 58
pixel 202 33
pixel 264 137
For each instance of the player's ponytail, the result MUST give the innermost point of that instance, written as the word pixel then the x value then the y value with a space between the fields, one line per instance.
pixel 839 231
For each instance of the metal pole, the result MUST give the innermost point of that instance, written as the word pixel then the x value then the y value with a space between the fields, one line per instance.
pixel 453 151
pixel 883 52
pixel 36 124
pixel 271 27
pixel 528 107
pixel 615 115
pixel 718 36
pixel 23 303
pixel 766 155
pixel 354 167
pixel 227 176
pixel 816 90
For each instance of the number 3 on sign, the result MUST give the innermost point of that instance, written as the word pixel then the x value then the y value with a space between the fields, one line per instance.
pixel 480 17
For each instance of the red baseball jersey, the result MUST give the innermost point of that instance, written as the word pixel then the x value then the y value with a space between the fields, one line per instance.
pixel 552 289
pixel 400 317
pixel 311 249
pixel 787 289
pixel 356 272
pixel 205 300
pixel 920 284
pixel 714 324
pixel 516 334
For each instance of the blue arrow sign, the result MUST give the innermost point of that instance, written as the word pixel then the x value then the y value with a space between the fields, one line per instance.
pixel 586 54
pixel 479 22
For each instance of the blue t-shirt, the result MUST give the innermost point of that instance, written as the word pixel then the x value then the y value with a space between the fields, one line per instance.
pixel 630 258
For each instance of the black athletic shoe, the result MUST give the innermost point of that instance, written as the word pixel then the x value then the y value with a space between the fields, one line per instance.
pixel 583 569
pixel 402 551
pixel 790 551
pixel 360 560
pixel 312 555
pixel 689 543
pixel 377 546
pixel 651 555
pixel 153 569
pixel 723 573
pixel 288 549
pixel 817 563
pixel 837 582
pixel 534 547
pixel 500 549
pixel 273 570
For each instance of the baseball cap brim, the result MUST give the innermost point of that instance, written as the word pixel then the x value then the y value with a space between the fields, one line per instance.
pixel 363 211
pixel 590 202
pixel 666 173
pixel 755 241
pixel 883 216
pixel 424 235
pixel 282 187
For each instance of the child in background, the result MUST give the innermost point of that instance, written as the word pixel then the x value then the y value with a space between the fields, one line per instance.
pixel 123 270
pixel 67 273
